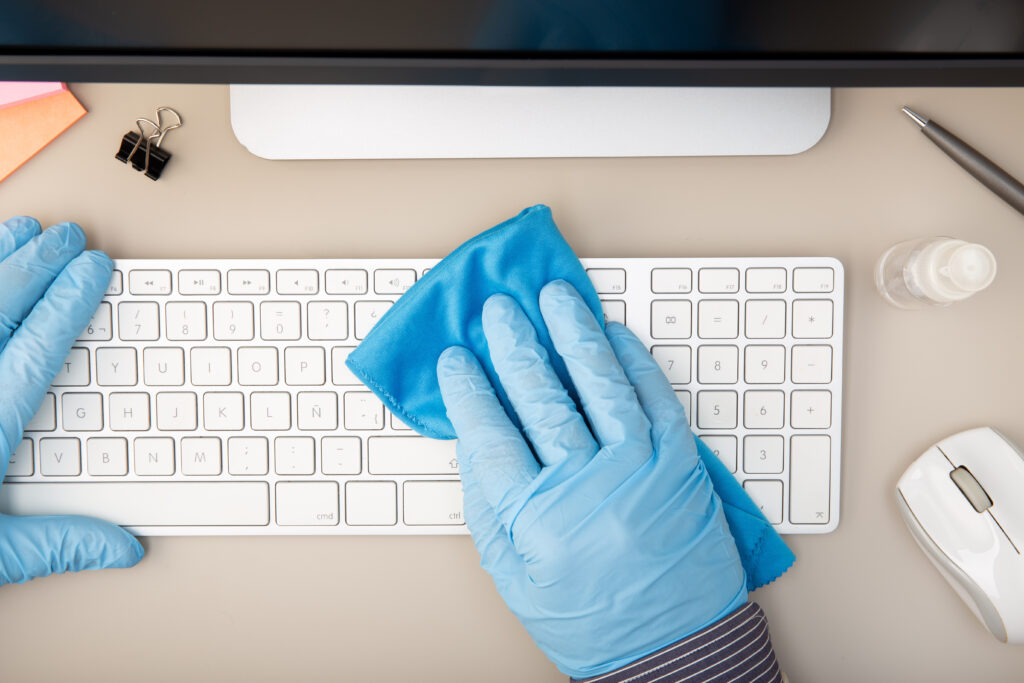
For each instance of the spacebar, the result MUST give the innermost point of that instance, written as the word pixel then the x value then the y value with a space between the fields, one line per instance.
pixel 145 503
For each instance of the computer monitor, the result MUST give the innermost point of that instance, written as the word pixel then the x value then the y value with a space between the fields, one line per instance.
pixel 498 68
pixel 517 42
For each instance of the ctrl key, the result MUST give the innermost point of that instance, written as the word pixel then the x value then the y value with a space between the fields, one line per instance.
pixel 433 502
pixel 307 503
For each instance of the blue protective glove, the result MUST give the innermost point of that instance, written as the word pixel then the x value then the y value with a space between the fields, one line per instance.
pixel 614 544
pixel 49 289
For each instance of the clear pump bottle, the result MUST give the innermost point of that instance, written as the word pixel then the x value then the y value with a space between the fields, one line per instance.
pixel 933 271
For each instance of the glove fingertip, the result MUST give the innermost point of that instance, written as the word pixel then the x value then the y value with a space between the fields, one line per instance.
pixel 99 258
pixel 95 544
pixel 22 227
pixel 455 360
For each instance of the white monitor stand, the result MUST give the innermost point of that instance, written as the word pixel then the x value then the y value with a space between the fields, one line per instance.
pixel 417 122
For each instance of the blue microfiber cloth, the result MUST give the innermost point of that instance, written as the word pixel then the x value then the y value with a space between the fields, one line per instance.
pixel 398 358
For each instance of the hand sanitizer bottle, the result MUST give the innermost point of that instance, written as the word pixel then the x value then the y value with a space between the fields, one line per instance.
pixel 933 271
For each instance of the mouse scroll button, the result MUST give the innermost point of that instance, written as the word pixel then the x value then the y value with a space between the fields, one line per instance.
pixel 971 489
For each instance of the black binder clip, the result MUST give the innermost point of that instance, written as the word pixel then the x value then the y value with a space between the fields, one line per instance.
pixel 150 159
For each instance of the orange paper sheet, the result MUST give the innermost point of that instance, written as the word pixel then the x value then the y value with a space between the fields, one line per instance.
pixel 27 128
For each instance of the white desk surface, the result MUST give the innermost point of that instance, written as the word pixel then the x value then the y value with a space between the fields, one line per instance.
pixel 860 604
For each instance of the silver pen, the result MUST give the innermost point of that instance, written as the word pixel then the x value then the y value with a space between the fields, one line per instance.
pixel 973 161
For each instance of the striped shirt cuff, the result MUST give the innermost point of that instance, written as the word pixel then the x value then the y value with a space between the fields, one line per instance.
pixel 735 649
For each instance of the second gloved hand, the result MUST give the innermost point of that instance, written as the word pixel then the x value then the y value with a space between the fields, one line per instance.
pixel 49 289
pixel 611 543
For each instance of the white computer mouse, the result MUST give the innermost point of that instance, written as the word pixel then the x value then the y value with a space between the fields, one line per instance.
pixel 963 501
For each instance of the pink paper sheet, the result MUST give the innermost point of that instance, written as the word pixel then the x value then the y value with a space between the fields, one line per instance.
pixel 19 92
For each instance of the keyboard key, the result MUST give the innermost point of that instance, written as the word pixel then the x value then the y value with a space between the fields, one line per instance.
pixel 116 367
pixel 398 425
pixel 116 286
pixel 129 412
pixel 674 362
pixel 716 410
pixel 138 321
pixel 670 319
pixel 614 311
pixel 248 282
pixel 432 502
pixel 279 320
pixel 223 411
pixel 149 282
pixel 717 364
pixel 107 457
pixel 304 366
pixel 307 503
pixel 763 409
pixel 763 280
pixel 809 473
pixel 81 412
pixel 21 464
pixel 671 280
pixel 718 319
pixel 317 410
pixel 200 456
pixel 271 411
pixel 176 411
pixel 813 279
pixel 247 456
pixel 812 319
pixel 767 495
pixel 724 447
pixel 154 456
pixel 812 364
pixel 811 409
pixel 718 280
pixel 45 419
pixel 293 455
pixel 139 504
pixel 74 371
pixel 367 313
pixel 163 367
pixel 765 320
pixel 327 320
pixel 344 281
pixel 197 282
pixel 762 454
pixel 371 503
pixel 232 321
pixel 211 366
pixel 411 455
pixel 100 327
pixel 298 282
pixel 608 280
pixel 341 455
pixel 765 365
pixel 393 280
pixel 363 410
pixel 59 458
pixel 257 366
pixel 340 374
pixel 186 321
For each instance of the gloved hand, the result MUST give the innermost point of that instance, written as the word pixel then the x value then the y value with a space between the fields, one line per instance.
pixel 611 543
pixel 49 289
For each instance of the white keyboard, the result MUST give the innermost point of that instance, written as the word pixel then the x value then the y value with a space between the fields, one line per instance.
pixel 211 396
